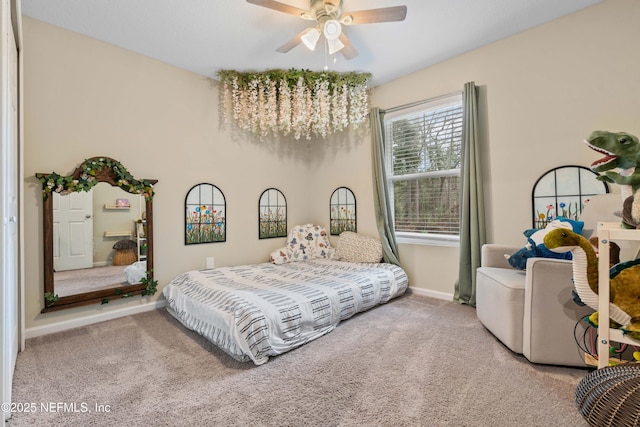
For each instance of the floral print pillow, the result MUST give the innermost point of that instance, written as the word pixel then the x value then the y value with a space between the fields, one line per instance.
pixel 279 256
pixel 304 242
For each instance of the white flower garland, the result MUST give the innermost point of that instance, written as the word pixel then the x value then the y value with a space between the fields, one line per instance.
pixel 284 108
pixel 298 102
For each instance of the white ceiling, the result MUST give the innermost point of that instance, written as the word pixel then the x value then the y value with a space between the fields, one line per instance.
pixel 205 36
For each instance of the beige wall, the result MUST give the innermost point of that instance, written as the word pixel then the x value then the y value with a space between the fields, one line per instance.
pixel 84 98
pixel 542 92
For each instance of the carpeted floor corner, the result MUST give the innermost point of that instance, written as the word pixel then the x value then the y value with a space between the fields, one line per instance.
pixel 415 361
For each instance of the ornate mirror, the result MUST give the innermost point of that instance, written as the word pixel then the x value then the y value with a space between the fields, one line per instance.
pixel 98 235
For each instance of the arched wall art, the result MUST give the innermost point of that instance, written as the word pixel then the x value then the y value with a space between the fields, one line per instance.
pixel 342 211
pixel 205 220
pixel 563 191
pixel 272 214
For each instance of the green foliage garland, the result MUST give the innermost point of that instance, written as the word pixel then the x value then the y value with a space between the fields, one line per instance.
pixel 292 76
pixel 50 298
pixel 57 183
pixel 151 285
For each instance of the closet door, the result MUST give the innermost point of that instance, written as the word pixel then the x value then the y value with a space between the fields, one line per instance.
pixel 9 291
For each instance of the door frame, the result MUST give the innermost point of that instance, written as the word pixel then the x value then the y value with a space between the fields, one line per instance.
pixel 10 23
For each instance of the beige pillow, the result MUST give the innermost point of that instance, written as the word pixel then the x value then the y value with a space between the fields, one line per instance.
pixel 354 247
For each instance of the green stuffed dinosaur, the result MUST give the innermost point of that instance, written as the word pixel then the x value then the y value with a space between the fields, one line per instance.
pixel 621 150
pixel 624 280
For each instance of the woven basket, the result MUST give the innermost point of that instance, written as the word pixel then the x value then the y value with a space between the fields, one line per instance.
pixel 611 396
pixel 124 257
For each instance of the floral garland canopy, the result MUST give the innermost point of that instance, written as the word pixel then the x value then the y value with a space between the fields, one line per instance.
pixel 301 103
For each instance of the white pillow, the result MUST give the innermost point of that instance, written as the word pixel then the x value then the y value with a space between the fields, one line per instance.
pixel 135 272
pixel 354 247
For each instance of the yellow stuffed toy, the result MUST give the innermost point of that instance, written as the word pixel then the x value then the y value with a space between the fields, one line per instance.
pixel 624 279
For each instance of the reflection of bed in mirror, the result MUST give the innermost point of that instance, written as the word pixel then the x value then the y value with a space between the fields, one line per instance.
pixel 97 234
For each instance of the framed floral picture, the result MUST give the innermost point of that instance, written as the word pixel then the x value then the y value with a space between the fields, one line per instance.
pixel 272 214
pixel 205 220
pixel 342 211
pixel 564 191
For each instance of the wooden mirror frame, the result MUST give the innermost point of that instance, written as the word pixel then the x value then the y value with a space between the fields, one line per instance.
pixel 83 178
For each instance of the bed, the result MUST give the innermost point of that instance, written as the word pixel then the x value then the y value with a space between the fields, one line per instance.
pixel 253 312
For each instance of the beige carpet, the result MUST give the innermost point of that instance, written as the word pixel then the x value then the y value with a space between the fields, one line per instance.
pixel 415 361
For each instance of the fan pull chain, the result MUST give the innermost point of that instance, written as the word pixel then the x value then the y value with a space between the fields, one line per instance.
pixel 326 56
pixel 326 66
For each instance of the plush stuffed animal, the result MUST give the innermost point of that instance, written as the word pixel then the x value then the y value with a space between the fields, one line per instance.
pixel 622 151
pixel 624 280
pixel 535 247
pixel 614 258
pixel 614 250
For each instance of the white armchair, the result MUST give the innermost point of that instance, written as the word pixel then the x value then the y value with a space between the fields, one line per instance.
pixel 532 312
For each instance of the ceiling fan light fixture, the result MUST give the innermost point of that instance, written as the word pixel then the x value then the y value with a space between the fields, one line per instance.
pixel 332 29
pixel 310 38
pixel 335 45
pixel 346 19
pixel 330 8
pixel 328 18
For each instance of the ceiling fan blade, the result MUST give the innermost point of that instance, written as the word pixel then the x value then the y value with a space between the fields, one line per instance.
pixel 295 41
pixel 370 16
pixel 280 7
pixel 348 51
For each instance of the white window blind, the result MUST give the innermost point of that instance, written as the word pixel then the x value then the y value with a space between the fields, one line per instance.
pixel 423 158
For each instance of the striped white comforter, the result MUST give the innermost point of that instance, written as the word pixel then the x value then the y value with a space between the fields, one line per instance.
pixel 256 311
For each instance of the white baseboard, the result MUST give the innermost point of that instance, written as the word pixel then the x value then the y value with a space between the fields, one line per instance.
pixel 96 318
pixel 432 294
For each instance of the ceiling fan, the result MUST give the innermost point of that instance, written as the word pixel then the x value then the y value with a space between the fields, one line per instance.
pixel 329 19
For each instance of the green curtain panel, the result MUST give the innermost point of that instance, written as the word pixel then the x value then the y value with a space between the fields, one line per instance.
pixel 472 222
pixel 382 206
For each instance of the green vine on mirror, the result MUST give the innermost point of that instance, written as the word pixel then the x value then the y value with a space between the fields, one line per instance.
pixel 151 285
pixel 120 294
pixel 57 183
pixel 296 102
pixel 50 298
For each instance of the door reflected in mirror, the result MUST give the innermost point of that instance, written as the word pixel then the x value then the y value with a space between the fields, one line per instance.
pixel 97 241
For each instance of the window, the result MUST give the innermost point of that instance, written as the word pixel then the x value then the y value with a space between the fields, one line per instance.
pixel 423 158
